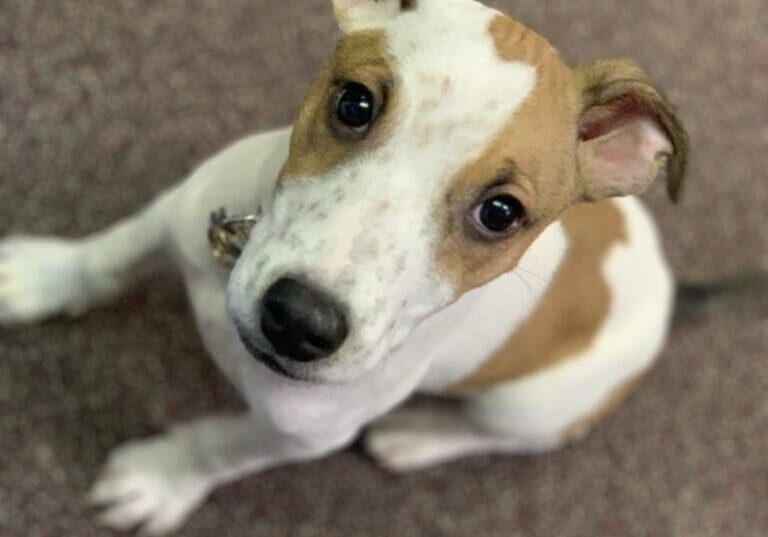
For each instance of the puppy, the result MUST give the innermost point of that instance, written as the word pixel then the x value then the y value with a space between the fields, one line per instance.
pixel 450 213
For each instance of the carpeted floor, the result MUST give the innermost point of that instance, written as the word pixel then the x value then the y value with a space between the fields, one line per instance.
pixel 104 104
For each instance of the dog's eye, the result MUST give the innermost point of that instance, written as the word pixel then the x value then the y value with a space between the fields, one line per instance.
pixel 499 215
pixel 355 107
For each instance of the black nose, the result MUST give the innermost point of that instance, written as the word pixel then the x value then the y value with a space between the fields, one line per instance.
pixel 302 323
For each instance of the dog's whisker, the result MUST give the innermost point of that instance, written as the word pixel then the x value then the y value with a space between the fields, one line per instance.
pixel 539 279
pixel 532 288
pixel 524 281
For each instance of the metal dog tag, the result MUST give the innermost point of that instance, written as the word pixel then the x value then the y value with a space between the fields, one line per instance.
pixel 228 235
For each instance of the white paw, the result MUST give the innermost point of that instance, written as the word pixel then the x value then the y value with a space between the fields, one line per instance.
pixel 39 278
pixel 153 484
pixel 411 440
pixel 399 451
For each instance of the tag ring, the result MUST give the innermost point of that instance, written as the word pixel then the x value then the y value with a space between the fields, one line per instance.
pixel 228 235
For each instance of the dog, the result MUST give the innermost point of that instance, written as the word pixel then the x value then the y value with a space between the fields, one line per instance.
pixel 451 213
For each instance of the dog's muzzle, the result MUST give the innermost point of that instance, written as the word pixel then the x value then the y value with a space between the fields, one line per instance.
pixel 303 324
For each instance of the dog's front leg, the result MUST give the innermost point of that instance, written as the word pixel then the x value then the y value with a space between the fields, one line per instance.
pixel 157 483
pixel 41 277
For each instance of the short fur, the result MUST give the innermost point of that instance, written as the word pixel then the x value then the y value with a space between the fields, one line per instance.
pixel 537 332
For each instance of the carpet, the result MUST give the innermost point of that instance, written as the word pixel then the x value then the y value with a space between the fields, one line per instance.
pixel 105 104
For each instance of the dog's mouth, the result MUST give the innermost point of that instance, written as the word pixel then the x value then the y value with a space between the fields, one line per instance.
pixel 266 358
pixel 272 363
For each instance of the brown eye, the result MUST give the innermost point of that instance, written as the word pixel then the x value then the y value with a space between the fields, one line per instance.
pixel 499 215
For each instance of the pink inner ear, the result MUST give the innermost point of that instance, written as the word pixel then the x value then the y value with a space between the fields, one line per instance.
pixel 639 140
pixel 621 142
pixel 602 119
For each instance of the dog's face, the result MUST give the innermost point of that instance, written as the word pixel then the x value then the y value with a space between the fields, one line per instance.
pixel 439 141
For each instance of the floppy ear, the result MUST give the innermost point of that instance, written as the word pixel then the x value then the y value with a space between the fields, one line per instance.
pixel 628 133
pixel 356 14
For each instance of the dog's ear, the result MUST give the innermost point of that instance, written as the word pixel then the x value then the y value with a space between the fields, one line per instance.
pixel 628 133
pixel 356 14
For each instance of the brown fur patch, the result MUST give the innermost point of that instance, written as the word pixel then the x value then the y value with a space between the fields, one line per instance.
pixel 582 426
pixel 573 308
pixel 316 149
pixel 517 43
pixel 539 140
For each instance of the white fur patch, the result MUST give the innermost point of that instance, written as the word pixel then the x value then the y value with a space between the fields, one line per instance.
pixel 358 14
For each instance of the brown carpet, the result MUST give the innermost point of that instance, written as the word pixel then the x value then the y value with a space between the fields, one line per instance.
pixel 104 104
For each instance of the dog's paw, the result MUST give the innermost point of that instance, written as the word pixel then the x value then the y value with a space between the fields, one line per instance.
pixel 39 278
pixel 408 440
pixel 152 484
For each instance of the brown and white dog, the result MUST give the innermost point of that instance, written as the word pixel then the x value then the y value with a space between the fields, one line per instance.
pixel 437 220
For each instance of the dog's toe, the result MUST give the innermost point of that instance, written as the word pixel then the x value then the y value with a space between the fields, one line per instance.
pixel 16 305
pixel 167 521
pixel 111 488
pixel 126 516
pixel 12 307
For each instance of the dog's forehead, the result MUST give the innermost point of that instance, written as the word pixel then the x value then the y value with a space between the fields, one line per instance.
pixel 452 45
pixel 489 98
pixel 447 61
pixel 463 70
pixel 454 73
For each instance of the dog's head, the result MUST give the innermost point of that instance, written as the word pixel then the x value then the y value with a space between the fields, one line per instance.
pixel 439 141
